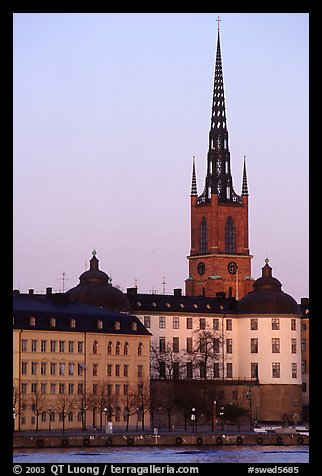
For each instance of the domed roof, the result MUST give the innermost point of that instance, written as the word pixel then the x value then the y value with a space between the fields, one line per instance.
pixel 95 288
pixel 267 297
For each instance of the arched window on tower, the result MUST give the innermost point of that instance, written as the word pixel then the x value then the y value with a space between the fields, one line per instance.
pixel 230 236
pixel 203 236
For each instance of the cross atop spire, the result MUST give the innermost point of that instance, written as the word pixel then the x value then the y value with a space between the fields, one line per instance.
pixel 218 20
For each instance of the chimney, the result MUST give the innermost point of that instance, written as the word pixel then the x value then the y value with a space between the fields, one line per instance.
pixel 305 302
pixel 177 292
pixel 49 291
pixel 132 290
pixel 31 291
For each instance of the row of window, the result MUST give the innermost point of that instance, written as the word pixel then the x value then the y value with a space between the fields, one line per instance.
pixel 275 323
pixel 72 416
pixel 207 345
pixel 73 323
pixel 217 370
pixel 72 388
pixel 70 347
pixel 61 368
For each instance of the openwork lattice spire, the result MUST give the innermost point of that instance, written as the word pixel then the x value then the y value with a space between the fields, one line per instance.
pixel 244 185
pixel 194 180
pixel 219 179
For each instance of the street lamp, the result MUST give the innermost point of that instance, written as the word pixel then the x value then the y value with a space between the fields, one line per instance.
pixel 222 414
pixel 193 419
pixel 105 412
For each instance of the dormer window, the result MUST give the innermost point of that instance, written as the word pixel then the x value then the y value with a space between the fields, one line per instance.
pixel 32 321
pixel 52 322
pixel 117 325
pixel 134 326
pixel 72 323
pixel 99 324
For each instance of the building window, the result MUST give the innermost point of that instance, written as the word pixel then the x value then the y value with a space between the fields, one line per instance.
pixel 162 322
pixel 61 346
pixel 23 345
pixel 175 322
pixel 303 366
pixel 126 348
pixel 216 344
pixel 275 324
pixel 147 321
pixel 99 324
pixel 70 346
pixel 80 388
pixel 202 345
pixel 140 371
pixel 61 368
pixel 215 324
pixel 203 236
pixel 117 325
pixel 32 321
pixel 229 324
pixel 72 323
pixel 216 370
pixel 24 388
pixel 53 387
pixel 43 346
pixel 109 370
pixel 162 369
pixel 70 388
pixel 162 344
pixel 118 348
pixel 254 346
pixel 276 370
pixel 189 345
pixel 53 367
pixel 80 346
pixel 71 368
pixel 61 388
pixel 303 345
pixel 117 370
pixel 109 348
pixel 304 390
pixel 275 345
pixel 293 324
pixel 175 344
pixel 95 368
pixel 202 323
pixel 140 347
pixel 52 322
pixel 53 344
pixel 230 236
pixel 189 323
pixel 125 389
pixel 126 370
pixel 229 370
pixel 254 324
pixel 34 388
pixel 189 370
pixel 34 345
pixel 294 370
pixel 293 346
pixel 229 346
pixel 176 373
pixel 202 369
pixel 24 368
pixel 134 326
pixel 254 370
pixel 34 368
pixel 43 368
pixel 43 387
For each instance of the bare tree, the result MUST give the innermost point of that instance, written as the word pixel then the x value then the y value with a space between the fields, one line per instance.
pixel 166 361
pixel 18 404
pixel 64 404
pixel 38 403
pixel 144 399
pixel 129 404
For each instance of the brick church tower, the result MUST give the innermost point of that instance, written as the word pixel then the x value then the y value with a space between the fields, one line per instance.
pixel 219 259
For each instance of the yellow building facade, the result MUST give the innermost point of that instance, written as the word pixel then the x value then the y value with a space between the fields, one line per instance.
pixel 77 366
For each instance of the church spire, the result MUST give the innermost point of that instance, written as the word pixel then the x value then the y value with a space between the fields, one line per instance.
pixel 244 185
pixel 194 180
pixel 219 179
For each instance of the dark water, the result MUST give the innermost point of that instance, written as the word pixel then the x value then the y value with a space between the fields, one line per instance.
pixel 188 454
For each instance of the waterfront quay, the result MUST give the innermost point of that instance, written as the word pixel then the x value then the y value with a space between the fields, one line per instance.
pixel 278 436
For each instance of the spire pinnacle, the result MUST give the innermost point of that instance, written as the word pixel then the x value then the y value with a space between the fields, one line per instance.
pixel 244 185
pixel 218 20
pixel 194 180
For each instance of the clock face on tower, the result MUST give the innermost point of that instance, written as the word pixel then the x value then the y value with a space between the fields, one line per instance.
pixel 232 267
pixel 201 268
